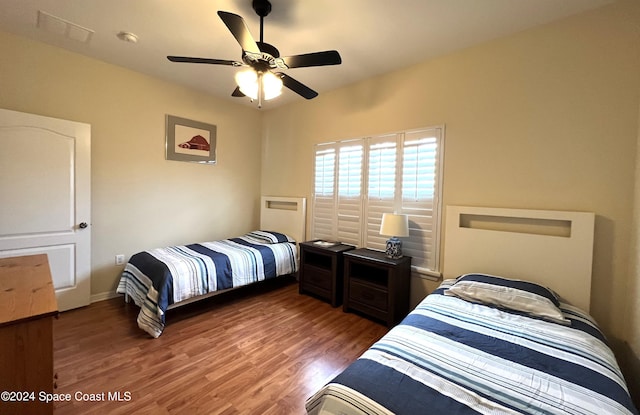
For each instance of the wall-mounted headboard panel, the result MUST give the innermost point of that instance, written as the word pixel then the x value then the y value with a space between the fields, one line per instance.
pixel 284 214
pixel 552 248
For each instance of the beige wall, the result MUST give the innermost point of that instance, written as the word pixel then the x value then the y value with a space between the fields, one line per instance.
pixel 632 350
pixel 634 285
pixel 545 119
pixel 139 199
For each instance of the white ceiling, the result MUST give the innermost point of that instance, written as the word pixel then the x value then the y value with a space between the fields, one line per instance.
pixel 372 36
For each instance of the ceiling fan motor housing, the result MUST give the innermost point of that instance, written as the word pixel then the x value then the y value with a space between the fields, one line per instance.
pixel 268 49
pixel 264 61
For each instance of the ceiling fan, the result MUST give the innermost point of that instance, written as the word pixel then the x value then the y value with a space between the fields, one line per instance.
pixel 261 59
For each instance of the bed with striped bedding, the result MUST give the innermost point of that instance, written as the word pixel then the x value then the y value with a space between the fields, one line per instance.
pixel 454 356
pixel 159 278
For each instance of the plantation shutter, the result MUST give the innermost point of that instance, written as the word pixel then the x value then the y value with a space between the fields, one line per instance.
pixel 324 193
pixel 349 203
pixel 420 193
pixel 381 186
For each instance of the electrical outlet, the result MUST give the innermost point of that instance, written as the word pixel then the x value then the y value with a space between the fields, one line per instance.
pixel 119 259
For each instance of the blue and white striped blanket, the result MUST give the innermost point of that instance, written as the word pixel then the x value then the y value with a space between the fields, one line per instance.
pixel 157 278
pixel 450 356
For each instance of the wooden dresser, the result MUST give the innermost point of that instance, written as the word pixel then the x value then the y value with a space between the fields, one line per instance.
pixel 27 307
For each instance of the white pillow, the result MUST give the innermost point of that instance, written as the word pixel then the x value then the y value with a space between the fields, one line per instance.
pixel 521 296
pixel 270 237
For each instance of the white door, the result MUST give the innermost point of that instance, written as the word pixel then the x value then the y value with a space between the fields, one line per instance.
pixel 45 198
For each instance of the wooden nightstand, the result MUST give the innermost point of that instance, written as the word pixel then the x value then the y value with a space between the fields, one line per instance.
pixel 376 286
pixel 321 270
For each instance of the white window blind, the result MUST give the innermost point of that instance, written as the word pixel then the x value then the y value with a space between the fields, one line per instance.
pixel 324 171
pixel 421 196
pixel 349 206
pixel 356 181
pixel 381 187
pixel 323 199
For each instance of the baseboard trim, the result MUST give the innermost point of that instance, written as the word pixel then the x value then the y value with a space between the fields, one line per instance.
pixel 107 295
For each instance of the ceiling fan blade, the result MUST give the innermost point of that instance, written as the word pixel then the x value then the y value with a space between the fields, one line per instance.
pixel 240 31
pixel 297 87
pixel 203 60
pixel 237 93
pixel 328 57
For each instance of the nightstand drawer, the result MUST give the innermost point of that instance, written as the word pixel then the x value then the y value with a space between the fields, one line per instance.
pixel 368 295
pixel 319 277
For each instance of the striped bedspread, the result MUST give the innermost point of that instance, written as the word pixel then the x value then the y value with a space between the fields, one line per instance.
pixel 157 278
pixel 450 356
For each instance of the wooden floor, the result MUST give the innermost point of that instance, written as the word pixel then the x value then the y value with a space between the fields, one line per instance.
pixel 253 351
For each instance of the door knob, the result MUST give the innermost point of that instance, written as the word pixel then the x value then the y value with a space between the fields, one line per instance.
pixel 83 225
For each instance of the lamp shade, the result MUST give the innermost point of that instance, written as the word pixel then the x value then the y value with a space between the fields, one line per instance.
pixel 394 224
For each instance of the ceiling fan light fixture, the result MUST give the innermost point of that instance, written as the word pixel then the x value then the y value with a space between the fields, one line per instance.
pixel 247 80
pixel 271 85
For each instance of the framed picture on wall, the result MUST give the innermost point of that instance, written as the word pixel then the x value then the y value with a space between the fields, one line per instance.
pixel 188 140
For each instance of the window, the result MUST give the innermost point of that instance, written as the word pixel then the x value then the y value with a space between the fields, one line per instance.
pixel 356 181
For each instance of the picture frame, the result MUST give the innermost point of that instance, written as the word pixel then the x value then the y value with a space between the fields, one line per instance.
pixel 190 141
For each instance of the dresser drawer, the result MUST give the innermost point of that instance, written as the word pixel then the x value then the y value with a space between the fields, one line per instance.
pixel 368 294
pixel 316 276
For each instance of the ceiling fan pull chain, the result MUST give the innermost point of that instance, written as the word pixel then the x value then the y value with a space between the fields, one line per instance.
pixel 260 89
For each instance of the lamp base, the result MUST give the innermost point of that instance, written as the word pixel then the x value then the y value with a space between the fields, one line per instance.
pixel 394 248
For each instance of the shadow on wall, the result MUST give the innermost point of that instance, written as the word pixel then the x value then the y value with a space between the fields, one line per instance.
pixel 602 268
pixel 630 365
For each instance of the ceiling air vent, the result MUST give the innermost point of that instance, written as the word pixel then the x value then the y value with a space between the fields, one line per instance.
pixel 54 24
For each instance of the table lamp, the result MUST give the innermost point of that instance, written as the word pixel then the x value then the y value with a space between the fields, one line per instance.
pixel 394 225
